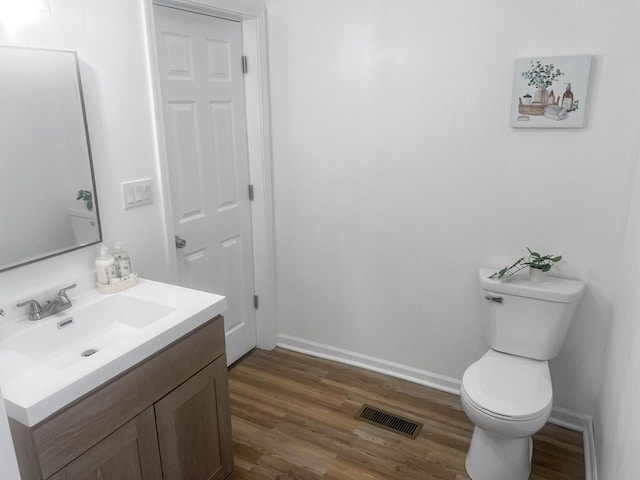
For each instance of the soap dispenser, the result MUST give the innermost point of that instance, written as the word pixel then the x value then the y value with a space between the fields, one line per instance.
pixel 105 267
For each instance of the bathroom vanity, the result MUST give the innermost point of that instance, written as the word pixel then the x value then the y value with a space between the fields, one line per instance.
pixel 156 405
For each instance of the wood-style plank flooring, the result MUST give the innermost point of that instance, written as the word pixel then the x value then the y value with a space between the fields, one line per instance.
pixel 292 418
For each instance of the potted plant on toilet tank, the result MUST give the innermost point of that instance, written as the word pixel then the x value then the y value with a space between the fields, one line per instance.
pixel 538 265
pixel 87 197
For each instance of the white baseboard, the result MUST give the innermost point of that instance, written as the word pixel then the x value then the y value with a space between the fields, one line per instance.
pixel 580 423
pixel 422 377
pixel 559 416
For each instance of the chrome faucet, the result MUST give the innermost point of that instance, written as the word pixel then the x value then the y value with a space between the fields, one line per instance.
pixel 38 312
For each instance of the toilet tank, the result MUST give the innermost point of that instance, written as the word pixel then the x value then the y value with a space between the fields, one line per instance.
pixel 85 226
pixel 527 318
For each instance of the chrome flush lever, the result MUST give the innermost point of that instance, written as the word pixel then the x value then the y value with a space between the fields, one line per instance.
pixel 494 298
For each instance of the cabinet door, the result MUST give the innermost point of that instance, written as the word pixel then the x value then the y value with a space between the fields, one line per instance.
pixel 194 427
pixel 130 453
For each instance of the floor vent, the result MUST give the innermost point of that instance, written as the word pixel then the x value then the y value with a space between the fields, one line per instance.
pixel 388 421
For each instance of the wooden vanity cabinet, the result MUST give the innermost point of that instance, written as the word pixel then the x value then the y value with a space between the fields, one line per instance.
pixel 166 418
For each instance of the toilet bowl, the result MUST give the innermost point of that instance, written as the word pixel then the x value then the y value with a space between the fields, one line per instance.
pixel 508 398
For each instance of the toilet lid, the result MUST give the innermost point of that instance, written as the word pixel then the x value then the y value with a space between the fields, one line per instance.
pixel 509 386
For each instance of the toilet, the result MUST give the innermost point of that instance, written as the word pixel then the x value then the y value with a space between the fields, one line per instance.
pixel 84 225
pixel 507 393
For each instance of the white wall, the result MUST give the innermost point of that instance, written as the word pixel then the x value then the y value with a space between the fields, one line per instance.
pixel 397 174
pixel 110 40
pixel 617 417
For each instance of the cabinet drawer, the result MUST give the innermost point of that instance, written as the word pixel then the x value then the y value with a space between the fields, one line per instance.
pixel 65 436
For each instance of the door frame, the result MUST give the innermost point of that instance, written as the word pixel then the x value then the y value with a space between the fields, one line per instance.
pixel 252 14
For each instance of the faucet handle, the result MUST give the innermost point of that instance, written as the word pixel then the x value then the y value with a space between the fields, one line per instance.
pixel 34 309
pixel 63 291
pixel 32 304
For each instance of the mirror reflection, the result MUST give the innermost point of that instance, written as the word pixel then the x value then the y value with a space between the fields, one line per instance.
pixel 47 189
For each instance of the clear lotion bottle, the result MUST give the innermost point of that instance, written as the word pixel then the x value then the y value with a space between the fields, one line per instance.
pixel 122 261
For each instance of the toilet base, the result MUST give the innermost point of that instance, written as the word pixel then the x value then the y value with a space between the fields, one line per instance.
pixel 492 457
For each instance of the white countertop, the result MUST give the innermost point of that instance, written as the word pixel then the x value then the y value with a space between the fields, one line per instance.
pixel 34 390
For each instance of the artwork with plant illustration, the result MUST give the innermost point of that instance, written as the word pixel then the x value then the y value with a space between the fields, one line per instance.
pixel 550 91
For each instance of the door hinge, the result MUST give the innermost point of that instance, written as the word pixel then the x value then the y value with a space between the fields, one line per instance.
pixel 255 302
pixel 245 67
pixel 251 193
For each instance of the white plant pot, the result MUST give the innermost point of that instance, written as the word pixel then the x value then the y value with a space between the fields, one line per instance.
pixel 537 275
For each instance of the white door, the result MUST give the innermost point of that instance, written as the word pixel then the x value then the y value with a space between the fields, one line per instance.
pixel 200 61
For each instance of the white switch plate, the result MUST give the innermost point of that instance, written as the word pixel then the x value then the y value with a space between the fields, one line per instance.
pixel 137 193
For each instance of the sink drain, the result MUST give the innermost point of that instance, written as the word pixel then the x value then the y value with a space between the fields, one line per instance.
pixel 88 353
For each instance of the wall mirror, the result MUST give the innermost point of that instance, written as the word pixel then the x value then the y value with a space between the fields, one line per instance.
pixel 48 202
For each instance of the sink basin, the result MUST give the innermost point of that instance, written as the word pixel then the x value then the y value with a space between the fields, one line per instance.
pixel 47 364
pixel 77 335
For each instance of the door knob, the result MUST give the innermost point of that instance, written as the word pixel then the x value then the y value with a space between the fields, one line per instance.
pixel 180 242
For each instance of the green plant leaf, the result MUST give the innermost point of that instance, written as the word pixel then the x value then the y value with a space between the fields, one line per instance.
pixel 517 262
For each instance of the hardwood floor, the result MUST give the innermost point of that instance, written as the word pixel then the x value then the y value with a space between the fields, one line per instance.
pixel 292 418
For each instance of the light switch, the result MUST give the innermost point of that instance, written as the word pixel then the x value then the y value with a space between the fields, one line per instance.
pixel 137 193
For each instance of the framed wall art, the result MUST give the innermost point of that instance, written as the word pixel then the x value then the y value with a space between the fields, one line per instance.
pixel 550 92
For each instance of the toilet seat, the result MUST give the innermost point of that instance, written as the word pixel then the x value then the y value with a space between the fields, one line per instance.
pixel 508 387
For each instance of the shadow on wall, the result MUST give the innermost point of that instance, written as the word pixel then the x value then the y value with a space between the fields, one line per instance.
pixel 583 352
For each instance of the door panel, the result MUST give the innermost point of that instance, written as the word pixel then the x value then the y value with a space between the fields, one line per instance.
pixel 205 128
pixel 131 453
pixel 194 430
